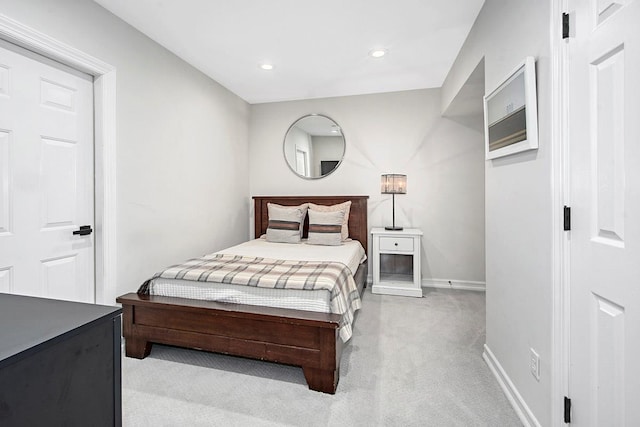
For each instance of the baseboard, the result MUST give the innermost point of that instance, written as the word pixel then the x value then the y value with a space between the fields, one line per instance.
pixel 466 285
pixel 519 405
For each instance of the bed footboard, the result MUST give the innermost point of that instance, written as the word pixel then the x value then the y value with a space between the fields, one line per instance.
pixel 293 337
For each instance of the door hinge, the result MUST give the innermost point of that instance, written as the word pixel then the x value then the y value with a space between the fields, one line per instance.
pixel 567 410
pixel 565 26
pixel 567 218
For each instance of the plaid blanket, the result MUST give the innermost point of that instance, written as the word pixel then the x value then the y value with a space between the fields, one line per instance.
pixel 334 277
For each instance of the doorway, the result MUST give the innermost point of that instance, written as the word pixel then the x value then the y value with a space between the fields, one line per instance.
pixel 46 179
pixel 603 183
pixel 105 143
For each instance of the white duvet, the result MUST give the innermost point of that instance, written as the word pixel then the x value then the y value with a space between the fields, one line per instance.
pixel 350 253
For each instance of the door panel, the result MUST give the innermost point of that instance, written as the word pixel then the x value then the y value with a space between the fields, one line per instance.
pixel 4 80
pixel 604 153
pixel 58 277
pixel 57 96
pixel 59 189
pixel 46 180
pixel 607 80
pixel 606 8
pixel 6 280
pixel 5 186
pixel 607 370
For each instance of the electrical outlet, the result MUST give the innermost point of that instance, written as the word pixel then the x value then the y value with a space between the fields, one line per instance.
pixel 534 364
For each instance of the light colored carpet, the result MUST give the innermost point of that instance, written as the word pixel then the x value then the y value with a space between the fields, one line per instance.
pixel 410 362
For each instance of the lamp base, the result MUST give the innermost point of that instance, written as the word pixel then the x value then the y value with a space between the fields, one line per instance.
pixel 394 228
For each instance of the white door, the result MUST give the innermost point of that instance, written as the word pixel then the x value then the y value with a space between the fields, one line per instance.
pixel 604 153
pixel 302 162
pixel 46 177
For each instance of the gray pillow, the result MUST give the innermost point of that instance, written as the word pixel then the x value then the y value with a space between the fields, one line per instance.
pixel 285 223
pixel 325 228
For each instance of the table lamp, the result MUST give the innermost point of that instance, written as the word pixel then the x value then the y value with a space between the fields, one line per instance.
pixel 393 184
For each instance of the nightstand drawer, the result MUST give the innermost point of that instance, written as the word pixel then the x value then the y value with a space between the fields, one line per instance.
pixel 404 244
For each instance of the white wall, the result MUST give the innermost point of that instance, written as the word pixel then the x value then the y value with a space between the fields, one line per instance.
pixel 182 141
pixel 518 200
pixel 401 132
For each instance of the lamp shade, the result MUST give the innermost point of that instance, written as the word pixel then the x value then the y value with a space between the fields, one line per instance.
pixel 393 183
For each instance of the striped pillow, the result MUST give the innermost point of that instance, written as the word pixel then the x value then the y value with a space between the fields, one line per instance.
pixel 285 223
pixel 325 228
pixel 346 207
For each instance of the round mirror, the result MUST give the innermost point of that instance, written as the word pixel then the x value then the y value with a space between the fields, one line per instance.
pixel 314 146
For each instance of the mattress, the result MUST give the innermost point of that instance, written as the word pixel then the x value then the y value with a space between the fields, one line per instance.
pixel 350 253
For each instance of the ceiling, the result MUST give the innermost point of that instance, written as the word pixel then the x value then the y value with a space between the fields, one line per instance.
pixel 317 125
pixel 317 48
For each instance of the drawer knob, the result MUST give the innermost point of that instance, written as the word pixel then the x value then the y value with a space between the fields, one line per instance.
pixel 396 243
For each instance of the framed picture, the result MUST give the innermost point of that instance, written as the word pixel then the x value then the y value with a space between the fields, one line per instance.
pixel 511 113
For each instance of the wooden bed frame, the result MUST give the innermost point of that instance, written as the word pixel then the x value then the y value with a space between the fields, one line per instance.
pixel 293 337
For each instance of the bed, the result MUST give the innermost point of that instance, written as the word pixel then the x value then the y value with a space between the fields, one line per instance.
pixel 295 337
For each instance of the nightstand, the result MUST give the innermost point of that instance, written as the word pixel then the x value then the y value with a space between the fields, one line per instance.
pixel 396 262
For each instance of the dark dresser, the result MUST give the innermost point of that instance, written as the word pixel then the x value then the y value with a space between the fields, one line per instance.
pixel 60 363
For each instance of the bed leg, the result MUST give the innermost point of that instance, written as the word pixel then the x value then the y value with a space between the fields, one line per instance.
pixel 322 380
pixel 137 348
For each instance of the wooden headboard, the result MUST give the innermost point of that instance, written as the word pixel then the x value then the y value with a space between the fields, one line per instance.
pixel 358 227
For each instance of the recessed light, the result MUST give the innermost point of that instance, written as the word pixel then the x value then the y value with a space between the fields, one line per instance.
pixel 266 66
pixel 377 53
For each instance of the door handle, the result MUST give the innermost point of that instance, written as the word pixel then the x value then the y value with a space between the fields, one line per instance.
pixel 84 230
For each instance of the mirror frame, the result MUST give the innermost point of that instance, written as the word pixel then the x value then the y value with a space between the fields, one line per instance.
pixel 284 141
